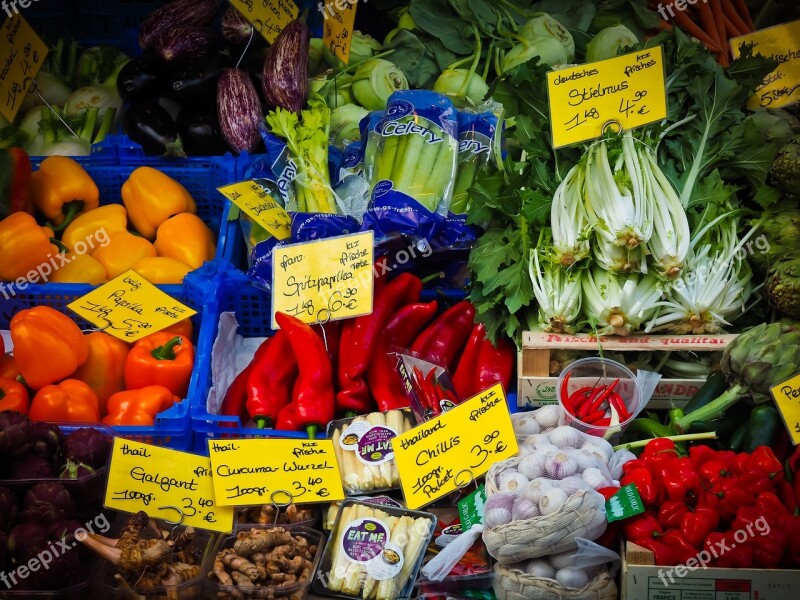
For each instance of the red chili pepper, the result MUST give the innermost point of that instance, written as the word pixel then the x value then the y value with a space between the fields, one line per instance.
pixel 312 403
pixel 564 391
pixel 701 454
pixel 496 363
pixel 695 526
pixel 763 459
pixel 269 385
pixel 425 395
pixel 592 418
pixel 602 423
pixel 642 527
pixel 585 407
pixel 446 336
pixel 433 392
pixel 787 496
pixel 598 402
pixel 680 480
pixel 384 380
pixel 579 396
pixel 663 555
pixel 671 512
pixel 464 378
pixel 618 404
pixel 682 549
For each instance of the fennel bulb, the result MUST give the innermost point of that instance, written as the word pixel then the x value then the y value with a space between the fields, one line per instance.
pixel 558 293
pixel 102 97
pixel 568 219
pixel 619 304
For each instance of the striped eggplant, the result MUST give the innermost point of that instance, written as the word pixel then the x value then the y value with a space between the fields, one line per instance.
pixel 177 12
pixel 238 109
pixel 183 42
pixel 285 81
pixel 235 28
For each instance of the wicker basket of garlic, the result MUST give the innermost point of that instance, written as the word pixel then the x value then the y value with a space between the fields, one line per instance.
pixel 540 580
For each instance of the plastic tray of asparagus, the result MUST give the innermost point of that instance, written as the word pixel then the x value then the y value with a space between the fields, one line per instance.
pixel 374 552
pixel 363 448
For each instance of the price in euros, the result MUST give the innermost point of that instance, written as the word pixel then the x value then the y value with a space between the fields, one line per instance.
pixel 491 445
pixel 628 106
pixel 300 489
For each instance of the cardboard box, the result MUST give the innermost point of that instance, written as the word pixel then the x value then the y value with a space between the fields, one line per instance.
pixel 641 580
pixel 537 387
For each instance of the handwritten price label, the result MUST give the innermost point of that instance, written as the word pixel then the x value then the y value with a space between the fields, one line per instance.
pixel 337 30
pixel 19 63
pixel 782 43
pixel 269 17
pixel 274 471
pixel 628 89
pixel 787 399
pixel 448 452
pixel 130 308
pixel 159 481
pixel 260 206
pixel 324 280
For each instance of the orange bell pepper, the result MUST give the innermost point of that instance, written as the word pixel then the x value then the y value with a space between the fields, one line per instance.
pixel 161 359
pixel 8 367
pixel 13 395
pixel 48 345
pixel 104 370
pixel 139 407
pixel 184 328
pixel 71 401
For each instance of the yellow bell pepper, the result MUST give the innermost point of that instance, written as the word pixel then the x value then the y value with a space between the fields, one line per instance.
pixel 152 197
pixel 94 227
pixel 186 238
pixel 62 189
pixel 24 247
pixel 122 252
pixel 162 270
pixel 81 268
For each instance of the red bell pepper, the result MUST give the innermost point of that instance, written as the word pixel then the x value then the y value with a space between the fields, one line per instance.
pixel 712 471
pixel 764 460
pixel 768 550
pixel 464 378
pixel 642 527
pixel 658 451
pixel 727 553
pixel 695 526
pixel 651 491
pixel 662 554
pixel 757 482
pixel 269 384
pixel 671 513
pixel 441 342
pixel 681 548
pixel 680 480
pixel 732 495
pixel 701 454
pixel 769 504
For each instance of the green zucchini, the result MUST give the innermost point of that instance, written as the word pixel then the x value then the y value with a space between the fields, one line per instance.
pixel 762 427
pixel 710 390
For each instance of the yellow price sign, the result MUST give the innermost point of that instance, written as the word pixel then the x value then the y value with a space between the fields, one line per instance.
pixel 274 471
pixel 337 28
pixel 782 43
pixel 130 308
pixel 166 484
pixel 19 63
pixel 260 206
pixel 447 453
pixel 787 399
pixel 269 17
pixel 629 90
pixel 324 280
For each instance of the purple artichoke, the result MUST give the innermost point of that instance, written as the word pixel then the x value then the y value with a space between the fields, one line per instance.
pixel 16 434
pixel 89 446
pixel 75 470
pixel 8 508
pixel 32 467
pixel 26 540
pixel 64 530
pixel 46 503
pixel 48 441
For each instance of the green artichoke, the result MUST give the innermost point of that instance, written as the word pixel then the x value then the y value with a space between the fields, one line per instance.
pixel 780 229
pixel 785 171
pixel 754 362
pixel 783 287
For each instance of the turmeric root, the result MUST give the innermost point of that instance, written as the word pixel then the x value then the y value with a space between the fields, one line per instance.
pixel 241 579
pixel 259 559
pixel 260 540
pixel 220 573
pixel 238 563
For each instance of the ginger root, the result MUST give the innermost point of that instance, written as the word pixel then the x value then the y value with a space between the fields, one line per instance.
pixel 260 540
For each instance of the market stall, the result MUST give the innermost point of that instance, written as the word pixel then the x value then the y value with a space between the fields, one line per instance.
pixel 435 299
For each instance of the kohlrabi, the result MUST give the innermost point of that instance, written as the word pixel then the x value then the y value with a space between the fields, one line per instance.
pixel 609 41
pixel 548 49
pixel 545 25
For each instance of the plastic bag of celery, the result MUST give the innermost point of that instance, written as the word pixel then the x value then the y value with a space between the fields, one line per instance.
pixel 478 139
pixel 414 148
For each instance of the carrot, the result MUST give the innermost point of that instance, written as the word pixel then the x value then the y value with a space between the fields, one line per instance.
pixel 731 28
pixel 707 19
pixel 744 12
pixel 716 9
pixel 692 29
pixel 730 12
pixel 662 24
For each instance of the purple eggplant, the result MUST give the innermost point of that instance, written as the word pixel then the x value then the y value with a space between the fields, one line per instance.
pixel 235 28
pixel 200 132
pixel 181 43
pixel 177 12
pixel 89 446
pixel 141 79
pixel 151 126
pixel 16 434
pixel 197 81
pixel 285 79
pixel 238 110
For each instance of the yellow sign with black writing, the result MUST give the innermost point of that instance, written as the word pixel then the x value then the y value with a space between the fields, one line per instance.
pixel 787 399
pixel 781 43
pixel 166 484
pixel 260 206
pixel 325 280
pixel 130 307
pixel 20 62
pixel 337 27
pixel 274 471
pixel 454 449
pixel 627 91
pixel 269 17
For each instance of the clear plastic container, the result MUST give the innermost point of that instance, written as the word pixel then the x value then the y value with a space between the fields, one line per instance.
pixel 300 515
pixel 297 591
pixel 594 372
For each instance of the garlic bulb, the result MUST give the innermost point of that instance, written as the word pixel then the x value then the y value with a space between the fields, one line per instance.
pixel 599 446
pixel 525 450
pixel 548 416
pixel 560 465
pixel 532 466
pixel 562 560
pixel 524 509
pixel 511 482
pixel 539 568
pixel 552 500
pixel 536 439
pixel 536 488
pixel 573 484
pixel 586 460
pixel 547 448
pixel 526 425
pixel 497 510
pixel 566 437
pixel 595 478
pixel 572 578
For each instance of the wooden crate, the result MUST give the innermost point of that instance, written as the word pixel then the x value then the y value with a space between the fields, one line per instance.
pixel 536 387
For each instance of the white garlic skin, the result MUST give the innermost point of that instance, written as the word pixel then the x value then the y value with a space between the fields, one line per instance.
pixel 547 448
pixel 497 510
pixel 560 465
pixel 548 416
pixel 525 450
pixel 572 578
pixel 586 460
pixel 539 568
pixel 566 437
pixel 552 500
pixel 536 488
pixel 599 446
pixel 511 482
pixel 532 466
pixel 526 425
pixel 573 484
pixel 524 509
pixel 595 478
pixel 536 439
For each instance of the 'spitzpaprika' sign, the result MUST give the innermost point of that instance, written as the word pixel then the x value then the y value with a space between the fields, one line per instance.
pixel 787 399
pixel 20 60
pixel 257 204
pixel 165 484
pixel 269 17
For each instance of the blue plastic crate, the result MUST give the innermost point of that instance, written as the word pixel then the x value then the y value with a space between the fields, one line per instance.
pixel 104 153
pixel 51 19
pixel 115 23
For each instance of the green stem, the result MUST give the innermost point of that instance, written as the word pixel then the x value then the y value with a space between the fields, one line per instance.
pixel 432 277
pixel 713 410
pixel 87 131
pixel 62 249
pixel 475 62
pixel 349 414
pixel 263 422
pixel 311 430
pixel 73 209
pixel 108 120
pixel 654 429
pixel 167 351
pixel 675 438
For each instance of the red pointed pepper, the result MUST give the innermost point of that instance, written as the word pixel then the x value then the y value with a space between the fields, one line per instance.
pixel 270 381
pixel 495 363
pixel 234 404
pixel 446 336
pixel 464 378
